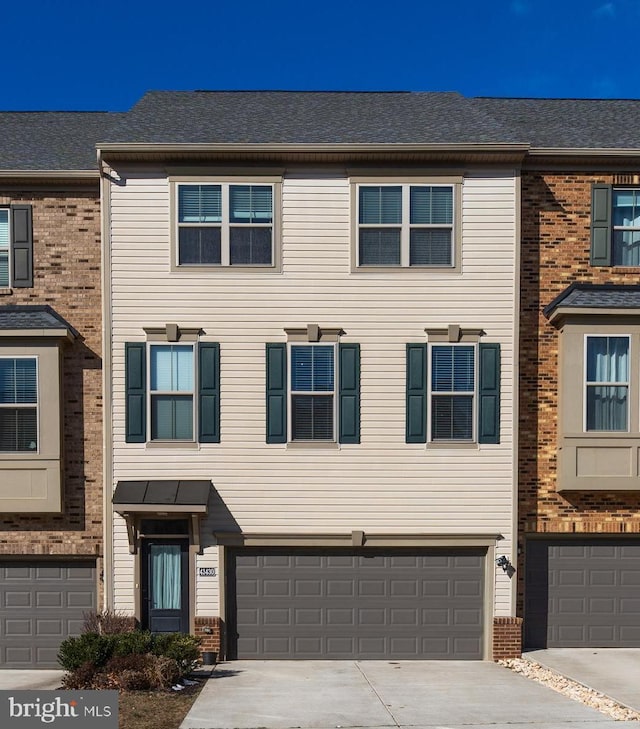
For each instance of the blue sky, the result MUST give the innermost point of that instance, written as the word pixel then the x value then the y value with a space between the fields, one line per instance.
pixel 84 55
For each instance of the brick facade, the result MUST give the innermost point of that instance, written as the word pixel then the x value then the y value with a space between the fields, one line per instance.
pixel 209 630
pixel 66 243
pixel 556 217
pixel 507 638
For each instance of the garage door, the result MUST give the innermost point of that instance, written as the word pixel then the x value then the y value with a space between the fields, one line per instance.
pixel 366 604
pixel 582 594
pixel 41 604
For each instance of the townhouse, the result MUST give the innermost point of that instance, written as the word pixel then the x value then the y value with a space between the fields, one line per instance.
pixel 312 301
pixel 579 374
pixel 51 531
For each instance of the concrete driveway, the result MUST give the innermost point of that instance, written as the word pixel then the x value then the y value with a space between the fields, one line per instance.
pixel 341 694
pixel 611 671
pixel 15 680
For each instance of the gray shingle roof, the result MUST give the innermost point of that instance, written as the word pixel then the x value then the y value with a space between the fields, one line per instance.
pixel 52 140
pixel 300 117
pixel 569 123
pixel 596 296
pixel 32 317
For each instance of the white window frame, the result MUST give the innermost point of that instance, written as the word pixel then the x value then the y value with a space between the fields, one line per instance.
pixel 36 451
pixel 587 383
pixel 193 393
pixel 225 225
pixel 406 226
pixel 431 394
pixel 9 251
pixel 614 228
pixel 326 393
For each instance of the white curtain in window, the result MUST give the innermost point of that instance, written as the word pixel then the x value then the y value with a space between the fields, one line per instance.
pixel 166 576
pixel 607 378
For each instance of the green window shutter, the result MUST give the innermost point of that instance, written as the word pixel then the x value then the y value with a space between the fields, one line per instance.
pixel 22 246
pixel 276 393
pixel 489 394
pixel 209 392
pixel 416 431
pixel 136 392
pixel 349 395
pixel 601 230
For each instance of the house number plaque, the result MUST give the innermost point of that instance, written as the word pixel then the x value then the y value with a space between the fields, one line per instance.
pixel 206 571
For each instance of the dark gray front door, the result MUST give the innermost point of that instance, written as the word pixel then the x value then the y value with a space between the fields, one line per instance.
pixel 582 593
pixel 165 585
pixel 367 604
pixel 41 604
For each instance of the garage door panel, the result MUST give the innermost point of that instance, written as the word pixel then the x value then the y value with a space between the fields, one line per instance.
pixel 356 606
pixel 41 604
pixel 582 595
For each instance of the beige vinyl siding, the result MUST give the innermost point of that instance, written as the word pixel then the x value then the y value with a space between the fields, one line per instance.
pixel 381 485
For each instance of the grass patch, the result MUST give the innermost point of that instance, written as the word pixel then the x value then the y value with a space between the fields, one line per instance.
pixel 156 709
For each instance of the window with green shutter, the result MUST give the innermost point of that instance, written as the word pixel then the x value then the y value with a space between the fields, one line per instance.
pixel 172 392
pixel 313 392
pixel 453 393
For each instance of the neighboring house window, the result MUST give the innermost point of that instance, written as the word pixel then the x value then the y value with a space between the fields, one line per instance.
pixel 453 385
pixel 225 224
pixel 18 404
pixel 4 247
pixel 16 246
pixel 171 391
pixel 607 383
pixel 626 227
pixel 313 385
pixel 405 225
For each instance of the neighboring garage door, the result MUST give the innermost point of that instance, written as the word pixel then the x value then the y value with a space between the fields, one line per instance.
pixel 582 593
pixel 41 604
pixel 367 604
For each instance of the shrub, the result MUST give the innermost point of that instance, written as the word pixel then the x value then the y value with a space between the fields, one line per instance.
pixel 135 672
pixel 86 648
pixel 108 622
pixel 181 647
pixel 125 644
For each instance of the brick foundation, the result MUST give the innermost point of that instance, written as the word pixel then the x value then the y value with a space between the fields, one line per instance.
pixel 211 641
pixel 507 638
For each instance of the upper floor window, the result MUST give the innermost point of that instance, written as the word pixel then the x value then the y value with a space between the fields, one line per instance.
pixel 171 391
pixel 313 386
pixel 405 225
pixel 607 383
pixel 18 404
pixel 4 247
pixel 626 227
pixel 453 386
pixel 16 246
pixel 225 224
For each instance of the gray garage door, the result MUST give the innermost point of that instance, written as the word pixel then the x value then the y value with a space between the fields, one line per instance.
pixel 583 593
pixel 366 604
pixel 42 603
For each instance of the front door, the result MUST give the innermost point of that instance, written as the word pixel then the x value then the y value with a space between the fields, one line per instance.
pixel 165 585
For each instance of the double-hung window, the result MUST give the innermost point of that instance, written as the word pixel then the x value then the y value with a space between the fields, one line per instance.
pixel 4 247
pixel 626 227
pixel 405 225
pixel 171 391
pixel 225 224
pixel 18 404
pixel 313 392
pixel 453 386
pixel 607 383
